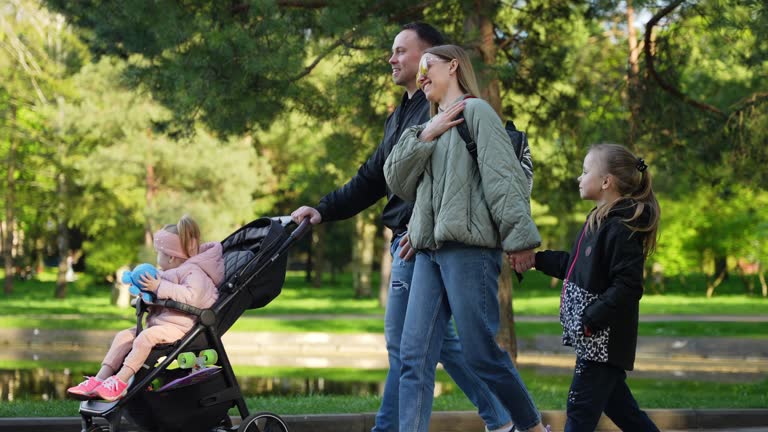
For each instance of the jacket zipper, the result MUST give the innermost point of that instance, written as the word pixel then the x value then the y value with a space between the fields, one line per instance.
pixel 573 263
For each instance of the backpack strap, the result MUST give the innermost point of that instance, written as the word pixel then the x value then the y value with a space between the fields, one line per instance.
pixel 463 130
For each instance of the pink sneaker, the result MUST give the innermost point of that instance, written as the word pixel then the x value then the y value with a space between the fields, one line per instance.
pixel 84 390
pixel 111 389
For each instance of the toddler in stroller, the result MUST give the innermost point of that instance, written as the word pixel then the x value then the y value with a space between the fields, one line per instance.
pixel 190 274
pixel 256 249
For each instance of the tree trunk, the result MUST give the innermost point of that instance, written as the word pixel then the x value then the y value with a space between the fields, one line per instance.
pixel 506 338
pixel 478 26
pixel 365 231
pixel 121 296
pixel 386 267
pixel 62 238
pixel 151 185
pixel 633 79
pixel 317 255
pixel 10 203
pixel 720 277
pixel 721 266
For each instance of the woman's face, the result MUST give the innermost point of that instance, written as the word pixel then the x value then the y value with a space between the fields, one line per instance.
pixel 434 76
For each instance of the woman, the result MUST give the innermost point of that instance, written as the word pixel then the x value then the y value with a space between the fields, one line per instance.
pixel 466 212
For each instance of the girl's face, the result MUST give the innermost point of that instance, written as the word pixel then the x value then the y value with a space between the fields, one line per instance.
pixel 592 181
pixel 166 262
pixel 434 76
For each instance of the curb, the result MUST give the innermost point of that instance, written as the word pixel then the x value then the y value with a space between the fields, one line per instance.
pixel 454 421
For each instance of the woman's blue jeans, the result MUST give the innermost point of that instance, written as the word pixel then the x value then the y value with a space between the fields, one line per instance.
pixel 461 280
pixel 450 355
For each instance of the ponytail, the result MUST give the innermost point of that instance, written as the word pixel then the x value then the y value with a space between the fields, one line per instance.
pixel 189 234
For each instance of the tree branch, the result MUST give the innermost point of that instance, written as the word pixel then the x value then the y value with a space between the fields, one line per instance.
pixel 243 8
pixel 307 70
pixel 749 101
pixel 648 49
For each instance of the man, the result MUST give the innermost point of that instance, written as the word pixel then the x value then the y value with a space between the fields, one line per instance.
pixel 365 189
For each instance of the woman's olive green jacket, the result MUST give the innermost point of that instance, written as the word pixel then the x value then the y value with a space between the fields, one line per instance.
pixel 479 203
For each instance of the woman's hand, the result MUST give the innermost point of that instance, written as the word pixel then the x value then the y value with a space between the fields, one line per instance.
pixel 149 283
pixel 442 122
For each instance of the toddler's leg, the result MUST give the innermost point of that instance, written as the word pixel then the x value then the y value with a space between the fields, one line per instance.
pixel 143 345
pixel 121 346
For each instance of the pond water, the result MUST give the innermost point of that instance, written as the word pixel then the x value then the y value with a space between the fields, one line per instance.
pixel 45 384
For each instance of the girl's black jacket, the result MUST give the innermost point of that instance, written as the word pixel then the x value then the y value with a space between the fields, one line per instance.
pixel 600 300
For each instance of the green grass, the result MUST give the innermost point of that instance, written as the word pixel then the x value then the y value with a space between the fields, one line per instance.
pixel 548 391
pixel 523 329
pixel 32 305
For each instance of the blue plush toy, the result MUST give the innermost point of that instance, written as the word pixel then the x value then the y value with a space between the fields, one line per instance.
pixel 134 278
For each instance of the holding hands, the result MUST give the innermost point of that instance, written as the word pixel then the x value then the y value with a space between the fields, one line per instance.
pixel 522 261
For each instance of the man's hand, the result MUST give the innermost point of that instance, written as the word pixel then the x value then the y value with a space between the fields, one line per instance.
pixel 522 261
pixel 304 212
pixel 406 251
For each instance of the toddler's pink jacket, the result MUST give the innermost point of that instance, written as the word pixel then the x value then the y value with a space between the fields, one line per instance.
pixel 195 283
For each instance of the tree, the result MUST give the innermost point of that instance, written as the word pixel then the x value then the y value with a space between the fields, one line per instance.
pixel 36 63
pixel 706 64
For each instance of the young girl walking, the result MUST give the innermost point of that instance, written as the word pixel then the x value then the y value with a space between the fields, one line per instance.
pixel 190 273
pixel 602 286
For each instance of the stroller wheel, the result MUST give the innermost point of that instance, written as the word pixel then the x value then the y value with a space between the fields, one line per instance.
pixel 263 422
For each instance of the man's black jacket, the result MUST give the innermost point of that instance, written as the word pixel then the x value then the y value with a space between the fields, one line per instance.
pixel 369 185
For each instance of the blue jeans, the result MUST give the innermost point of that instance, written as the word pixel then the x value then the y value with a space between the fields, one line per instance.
pixel 490 409
pixel 600 387
pixel 462 280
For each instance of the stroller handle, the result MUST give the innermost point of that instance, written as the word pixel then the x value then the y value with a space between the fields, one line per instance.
pixel 299 231
pixel 302 229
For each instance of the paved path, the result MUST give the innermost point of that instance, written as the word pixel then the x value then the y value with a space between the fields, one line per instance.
pixel 700 358
pixel 755 420
pixel 756 318
pixel 534 318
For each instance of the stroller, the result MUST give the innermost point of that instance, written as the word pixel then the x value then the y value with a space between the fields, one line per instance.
pixel 255 263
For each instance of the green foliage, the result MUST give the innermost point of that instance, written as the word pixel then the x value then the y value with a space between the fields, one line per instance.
pixel 253 109
pixel 714 54
pixel 548 392
pixel 301 307
pixel 718 221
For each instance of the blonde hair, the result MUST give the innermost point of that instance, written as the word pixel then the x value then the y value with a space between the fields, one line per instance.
pixel 465 74
pixel 189 234
pixel 633 181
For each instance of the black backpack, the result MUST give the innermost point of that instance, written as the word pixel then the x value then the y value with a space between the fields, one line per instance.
pixel 519 142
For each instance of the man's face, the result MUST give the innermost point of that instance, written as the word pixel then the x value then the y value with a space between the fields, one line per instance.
pixel 406 53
